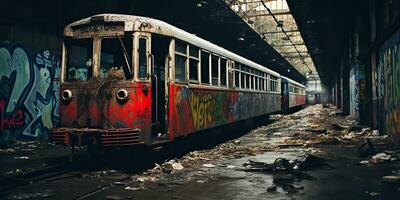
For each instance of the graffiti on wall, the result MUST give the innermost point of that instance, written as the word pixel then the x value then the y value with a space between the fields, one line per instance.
pixel 354 91
pixel 29 92
pixel 389 66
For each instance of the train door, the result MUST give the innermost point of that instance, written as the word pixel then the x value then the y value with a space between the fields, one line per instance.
pixel 284 95
pixel 160 49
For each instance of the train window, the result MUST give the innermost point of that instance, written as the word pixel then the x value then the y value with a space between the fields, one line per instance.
pixel 223 71
pixel 256 83
pixel 261 84
pixel 142 58
pixel 115 58
pixel 193 51
pixel 193 70
pixel 79 59
pixel 251 82
pixel 237 75
pixel 180 47
pixel 248 86
pixel 194 64
pixel 214 70
pixel 180 68
pixel 205 67
pixel 273 84
pixel 243 80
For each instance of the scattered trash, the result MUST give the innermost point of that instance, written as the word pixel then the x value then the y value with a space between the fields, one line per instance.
pixel 113 197
pixel 366 148
pixel 283 164
pixel 133 188
pixel 147 178
pixel 9 150
pixel 174 165
pixel 391 179
pixel 373 193
pixel 380 158
pixel 21 157
pixel 375 133
pixel 236 141
pixel 120 183
pixel 209 165
pixel 200 181
pixel 271 189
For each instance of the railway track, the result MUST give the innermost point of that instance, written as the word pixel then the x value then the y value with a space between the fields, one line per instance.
pixel 9 183
pixel 46 176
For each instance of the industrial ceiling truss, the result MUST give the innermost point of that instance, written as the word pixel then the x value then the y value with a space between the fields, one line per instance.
pixel 273 21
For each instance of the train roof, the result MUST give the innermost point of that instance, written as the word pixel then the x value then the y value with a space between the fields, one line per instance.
pixel 293 82
pixel 145 24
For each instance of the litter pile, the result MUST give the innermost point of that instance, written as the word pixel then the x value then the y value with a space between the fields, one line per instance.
pixel 286 173
pixel 294 166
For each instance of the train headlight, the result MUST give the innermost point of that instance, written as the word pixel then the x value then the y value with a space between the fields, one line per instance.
pixel 66 95
pixel 122 96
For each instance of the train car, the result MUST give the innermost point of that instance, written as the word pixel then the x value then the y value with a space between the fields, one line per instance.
pixel 131 80
pixel 293 94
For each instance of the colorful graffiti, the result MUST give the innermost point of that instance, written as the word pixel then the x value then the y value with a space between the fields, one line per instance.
pixel 354 92
pixel 389 66
pixel 29 92
pixel 202 107
pixel 197 109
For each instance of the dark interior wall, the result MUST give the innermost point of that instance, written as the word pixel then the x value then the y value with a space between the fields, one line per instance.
pixel 33 24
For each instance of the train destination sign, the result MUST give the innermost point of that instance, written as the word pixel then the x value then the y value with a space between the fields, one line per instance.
pixel 99 30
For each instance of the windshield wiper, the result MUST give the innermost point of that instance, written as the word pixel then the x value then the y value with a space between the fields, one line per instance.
pixel 126 68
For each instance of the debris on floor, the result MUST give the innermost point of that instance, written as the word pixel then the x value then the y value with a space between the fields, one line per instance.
pixel 391 179
pixel 366 148
pixel 283 164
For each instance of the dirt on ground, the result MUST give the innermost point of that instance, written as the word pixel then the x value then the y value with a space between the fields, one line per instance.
pixel 315 153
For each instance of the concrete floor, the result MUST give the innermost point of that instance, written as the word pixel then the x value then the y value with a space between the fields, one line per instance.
pixel 217 172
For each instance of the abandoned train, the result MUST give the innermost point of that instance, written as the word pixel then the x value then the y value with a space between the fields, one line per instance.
pixel 129 80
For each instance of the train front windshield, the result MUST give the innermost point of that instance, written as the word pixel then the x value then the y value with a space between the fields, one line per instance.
pixel 114 58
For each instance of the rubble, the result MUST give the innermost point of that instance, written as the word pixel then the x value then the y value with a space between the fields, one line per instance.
pixel 208 165
pixel 173 164
pixel 283 164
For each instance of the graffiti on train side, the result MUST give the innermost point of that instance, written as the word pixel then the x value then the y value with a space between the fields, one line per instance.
pixel 195 109
pixel 29 96
pixel 202 107
pixel 389 64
